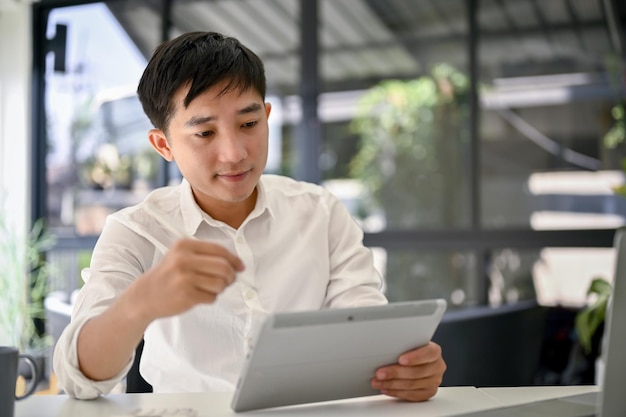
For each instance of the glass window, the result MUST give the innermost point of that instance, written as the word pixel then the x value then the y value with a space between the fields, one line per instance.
pixel 395 122
pixel 547 74
pixel 99 159
pixel 395 111
pixel 98 156
pixel 422 274
pixel 562 276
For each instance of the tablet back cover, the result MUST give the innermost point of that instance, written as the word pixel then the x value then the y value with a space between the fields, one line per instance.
pixel 325 355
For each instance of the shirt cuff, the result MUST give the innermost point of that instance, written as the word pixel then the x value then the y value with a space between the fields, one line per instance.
pixel 65 364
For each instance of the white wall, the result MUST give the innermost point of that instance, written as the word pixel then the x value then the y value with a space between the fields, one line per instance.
pixel 15 138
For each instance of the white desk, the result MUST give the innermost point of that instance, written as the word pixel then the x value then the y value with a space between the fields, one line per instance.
pixel 448 401
pixel 521 395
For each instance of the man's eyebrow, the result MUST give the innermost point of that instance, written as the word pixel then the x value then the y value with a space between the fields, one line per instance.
pixel 250 108
pixel 198 120
pixel 195 121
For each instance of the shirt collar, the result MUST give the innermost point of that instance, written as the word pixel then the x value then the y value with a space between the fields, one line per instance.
pixel 262 201
pixel 189 209
pixel 193 215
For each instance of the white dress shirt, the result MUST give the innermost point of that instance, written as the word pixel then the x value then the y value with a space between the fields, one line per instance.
pixel 301 250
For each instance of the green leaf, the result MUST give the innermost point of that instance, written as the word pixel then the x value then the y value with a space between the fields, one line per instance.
pixel 589 319
pixel 621 190
pixel 600 286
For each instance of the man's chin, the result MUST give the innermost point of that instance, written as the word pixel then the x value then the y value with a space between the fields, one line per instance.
pixel 237 196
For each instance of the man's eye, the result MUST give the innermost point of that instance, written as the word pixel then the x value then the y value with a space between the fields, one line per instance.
pixel 250 124
pixel 205 134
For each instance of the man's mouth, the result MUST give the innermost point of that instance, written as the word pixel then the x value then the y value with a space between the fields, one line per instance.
pixel 233 176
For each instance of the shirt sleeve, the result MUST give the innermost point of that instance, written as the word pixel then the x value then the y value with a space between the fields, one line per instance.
pixel 65 363
pixel 112 270
pixel 354 281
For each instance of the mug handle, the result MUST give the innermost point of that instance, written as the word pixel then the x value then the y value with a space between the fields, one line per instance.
pixel 35 376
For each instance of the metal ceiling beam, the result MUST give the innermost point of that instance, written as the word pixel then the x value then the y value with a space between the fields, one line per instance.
pixel 571 12
pixel 439 11
pixel 137 33
pixel 615 29
pixel 507 17
pixel 417 42
pixel 335 34
pixel 545 28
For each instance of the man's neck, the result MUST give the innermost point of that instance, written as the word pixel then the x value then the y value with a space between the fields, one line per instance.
pixel 233 214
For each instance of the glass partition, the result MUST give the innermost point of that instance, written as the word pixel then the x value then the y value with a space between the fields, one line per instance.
pixel 394 111
pixel 550 77
pixel 99 159
pixel 396 135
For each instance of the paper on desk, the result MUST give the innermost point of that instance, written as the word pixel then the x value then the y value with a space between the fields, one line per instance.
pixel 161 412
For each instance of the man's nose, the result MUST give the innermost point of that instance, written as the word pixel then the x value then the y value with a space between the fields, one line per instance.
pixel 231 148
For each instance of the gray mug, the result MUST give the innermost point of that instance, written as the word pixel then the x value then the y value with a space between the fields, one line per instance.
pixel 9 360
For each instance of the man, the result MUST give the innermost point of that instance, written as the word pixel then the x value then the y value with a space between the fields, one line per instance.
pixel 195 268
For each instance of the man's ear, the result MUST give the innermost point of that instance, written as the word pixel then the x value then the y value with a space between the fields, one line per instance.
pixel 160 144
pixel 268 109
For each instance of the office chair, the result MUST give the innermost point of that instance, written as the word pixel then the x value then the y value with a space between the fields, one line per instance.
pixel 134 381
pixel 487 346
pixel 58 309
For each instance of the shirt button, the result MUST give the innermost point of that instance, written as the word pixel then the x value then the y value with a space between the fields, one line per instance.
pixel 249 342
pixel 250 294
pixel 240 240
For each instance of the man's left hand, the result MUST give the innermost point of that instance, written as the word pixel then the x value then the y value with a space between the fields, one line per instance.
pixel 416 376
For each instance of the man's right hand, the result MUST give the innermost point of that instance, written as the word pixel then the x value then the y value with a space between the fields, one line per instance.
pixel 192 272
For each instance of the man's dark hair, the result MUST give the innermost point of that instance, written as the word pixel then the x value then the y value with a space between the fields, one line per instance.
pixel 200 60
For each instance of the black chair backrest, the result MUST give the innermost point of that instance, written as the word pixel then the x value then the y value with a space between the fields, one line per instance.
pixel 487 346
pixel 134 381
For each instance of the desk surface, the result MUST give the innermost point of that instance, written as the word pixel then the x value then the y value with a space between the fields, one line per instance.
pixel 447 402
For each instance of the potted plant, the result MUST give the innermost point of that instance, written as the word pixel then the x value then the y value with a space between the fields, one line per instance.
pixel 590 320
pixel 24 275
pixel 589 323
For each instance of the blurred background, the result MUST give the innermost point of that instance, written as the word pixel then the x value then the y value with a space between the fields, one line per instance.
pixel 451 129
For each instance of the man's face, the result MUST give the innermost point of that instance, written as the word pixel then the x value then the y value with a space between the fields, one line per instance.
pixel 219 143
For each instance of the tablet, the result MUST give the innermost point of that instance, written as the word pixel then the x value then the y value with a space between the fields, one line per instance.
pixel 312 356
